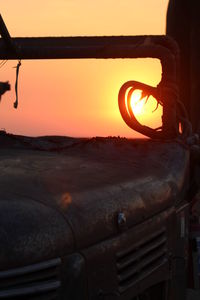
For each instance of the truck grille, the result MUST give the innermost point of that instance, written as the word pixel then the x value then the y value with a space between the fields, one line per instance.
pixel 140 260
pixel 39 281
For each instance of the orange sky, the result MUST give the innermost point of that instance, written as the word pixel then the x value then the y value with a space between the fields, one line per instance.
pixel 77 97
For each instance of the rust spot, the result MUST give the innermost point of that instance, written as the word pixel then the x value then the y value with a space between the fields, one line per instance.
pixel 65 200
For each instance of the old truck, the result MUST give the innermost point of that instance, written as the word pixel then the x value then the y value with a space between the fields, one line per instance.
pixel 99 218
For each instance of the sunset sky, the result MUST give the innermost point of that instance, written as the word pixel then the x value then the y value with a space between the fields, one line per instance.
pixel 77 97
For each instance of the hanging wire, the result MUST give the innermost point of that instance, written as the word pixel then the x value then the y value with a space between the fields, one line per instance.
pixel 2 63
pixel 16 83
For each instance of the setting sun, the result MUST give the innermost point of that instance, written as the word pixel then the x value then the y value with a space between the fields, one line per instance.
pixel 79 97
pixel 137 102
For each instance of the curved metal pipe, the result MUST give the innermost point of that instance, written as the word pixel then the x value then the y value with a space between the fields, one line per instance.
pixel 160 47
pixel 94 47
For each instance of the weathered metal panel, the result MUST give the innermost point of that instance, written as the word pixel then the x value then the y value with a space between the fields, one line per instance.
pixel 82 190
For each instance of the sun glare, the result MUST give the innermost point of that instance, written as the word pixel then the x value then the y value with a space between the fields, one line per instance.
pixel 145 109
pixel 137 103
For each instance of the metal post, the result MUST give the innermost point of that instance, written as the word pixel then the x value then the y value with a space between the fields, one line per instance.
pixel 6 36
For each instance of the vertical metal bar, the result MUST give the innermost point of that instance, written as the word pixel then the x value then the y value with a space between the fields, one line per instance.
pixel 6 36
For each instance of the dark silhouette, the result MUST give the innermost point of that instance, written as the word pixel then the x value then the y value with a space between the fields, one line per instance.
pixel 4 86
pixel 183 24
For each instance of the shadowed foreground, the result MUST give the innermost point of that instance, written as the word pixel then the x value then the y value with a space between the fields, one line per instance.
pixel 92 199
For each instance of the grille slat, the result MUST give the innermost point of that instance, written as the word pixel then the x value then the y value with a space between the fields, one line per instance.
pixel 140 265
pixel 125 261
pixel 138 245
pixel 30 290
pixel 39 281
pixel 141 259
pixel 30 269
pixel 28 278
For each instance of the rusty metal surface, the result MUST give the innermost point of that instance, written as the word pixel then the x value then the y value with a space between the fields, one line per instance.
pixel 53 202
pixel 126 263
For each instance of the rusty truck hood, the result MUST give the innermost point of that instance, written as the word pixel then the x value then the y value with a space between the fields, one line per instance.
pixel 69 193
